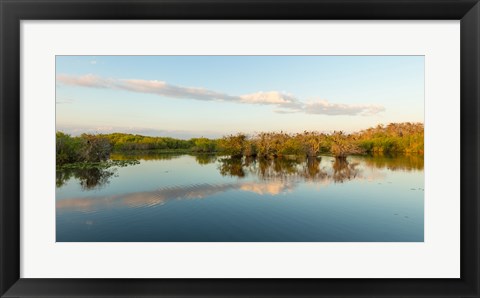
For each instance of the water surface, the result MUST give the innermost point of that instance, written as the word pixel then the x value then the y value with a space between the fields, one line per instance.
pixel 179 198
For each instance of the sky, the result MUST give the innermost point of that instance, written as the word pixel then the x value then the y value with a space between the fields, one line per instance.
pixel 212 96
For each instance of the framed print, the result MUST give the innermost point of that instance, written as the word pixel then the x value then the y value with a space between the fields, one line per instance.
pixel 198 148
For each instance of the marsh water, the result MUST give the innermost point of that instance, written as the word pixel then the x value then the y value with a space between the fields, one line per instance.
pixel 191 198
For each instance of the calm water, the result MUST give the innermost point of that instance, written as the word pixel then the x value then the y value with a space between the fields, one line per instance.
pixel 210 198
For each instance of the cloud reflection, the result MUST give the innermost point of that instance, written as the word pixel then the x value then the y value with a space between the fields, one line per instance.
pixel 163 195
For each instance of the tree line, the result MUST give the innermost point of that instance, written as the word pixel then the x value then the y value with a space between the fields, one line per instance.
pixel 391 138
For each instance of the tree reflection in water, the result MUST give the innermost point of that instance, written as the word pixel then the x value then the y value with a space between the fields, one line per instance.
pixel 312 170
pixel 91 175
pixel 233 167
pixel 343 170
pixel 325 168
pixel 88 178
pixel 287 168
pixel 205 159
pixel 395 162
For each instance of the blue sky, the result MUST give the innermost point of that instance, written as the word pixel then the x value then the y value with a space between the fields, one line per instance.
pixel 191 96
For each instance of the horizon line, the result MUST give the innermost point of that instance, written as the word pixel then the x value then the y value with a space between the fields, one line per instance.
pixel 97 131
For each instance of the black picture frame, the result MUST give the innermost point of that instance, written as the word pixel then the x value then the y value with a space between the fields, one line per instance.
pixel 13 11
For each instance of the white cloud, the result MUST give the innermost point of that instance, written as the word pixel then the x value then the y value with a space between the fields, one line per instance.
pixel 88 80
pixel 271 97
pixel 326 108
pixel 168 90
pixel 285 101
